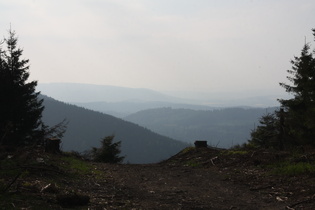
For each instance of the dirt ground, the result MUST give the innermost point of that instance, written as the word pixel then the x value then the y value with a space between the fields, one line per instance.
pixel 204 179
pixel 173 187
pixel 193 179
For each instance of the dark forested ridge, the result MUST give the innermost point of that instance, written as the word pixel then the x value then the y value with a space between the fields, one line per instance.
pixel 86 128
pixel 224 127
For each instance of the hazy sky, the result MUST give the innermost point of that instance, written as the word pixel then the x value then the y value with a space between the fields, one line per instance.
pixel 196 45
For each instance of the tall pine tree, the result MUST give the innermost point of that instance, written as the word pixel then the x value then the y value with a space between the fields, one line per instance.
pixel 20 108
pixel 300 110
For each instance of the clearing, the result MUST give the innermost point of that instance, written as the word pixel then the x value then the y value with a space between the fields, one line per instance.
pixel 205 178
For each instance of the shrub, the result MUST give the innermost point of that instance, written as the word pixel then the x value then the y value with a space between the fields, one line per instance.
pixel 108 152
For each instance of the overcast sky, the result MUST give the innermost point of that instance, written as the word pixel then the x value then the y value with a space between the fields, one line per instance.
pixel 179 45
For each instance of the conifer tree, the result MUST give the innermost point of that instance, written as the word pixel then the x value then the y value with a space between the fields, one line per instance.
pixel 300 110
pixel 266 134
pixel 108 152
pixel 296 124
pixel 20 108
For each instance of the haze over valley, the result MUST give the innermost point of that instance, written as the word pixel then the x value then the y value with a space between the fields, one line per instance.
pixel 122 101
pixel 223 128
pixel 86 128
pixel 180 119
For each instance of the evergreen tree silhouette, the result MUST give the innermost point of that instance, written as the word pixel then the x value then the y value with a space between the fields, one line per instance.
pixel 300 110
pixel 294 124
pixel 108 152
pixel 20 108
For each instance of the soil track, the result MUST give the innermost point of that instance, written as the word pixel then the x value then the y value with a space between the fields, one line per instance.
pixel 162 186
pixel 206 179
pixel 193 179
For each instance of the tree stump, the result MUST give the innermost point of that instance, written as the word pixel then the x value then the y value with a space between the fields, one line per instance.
pixel 201 144
pixel 52 145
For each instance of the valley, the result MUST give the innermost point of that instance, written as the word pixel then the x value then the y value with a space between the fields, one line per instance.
pixel 86 128
pixel 139 117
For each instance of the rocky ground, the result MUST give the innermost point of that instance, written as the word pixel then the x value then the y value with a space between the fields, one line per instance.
pixel 205 178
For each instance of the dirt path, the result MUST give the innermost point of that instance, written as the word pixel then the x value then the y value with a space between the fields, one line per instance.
pixel 192 179
pixel 160 186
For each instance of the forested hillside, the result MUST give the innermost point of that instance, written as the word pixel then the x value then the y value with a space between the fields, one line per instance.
pixel 221 127
pixel 86 128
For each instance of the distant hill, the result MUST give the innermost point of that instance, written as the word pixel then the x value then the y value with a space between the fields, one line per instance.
pixel 123 101
pixel 86 128
pixel 85 93
pixel 116 101
pixel 125 108
pixel 224 127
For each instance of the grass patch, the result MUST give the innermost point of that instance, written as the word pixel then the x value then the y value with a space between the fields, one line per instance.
pixel 192 163
pixel 294 169
pixel 36 172
pixel 9 168
pixel 22 201
pixel 187 149
pixel 75 165
pixel 235 152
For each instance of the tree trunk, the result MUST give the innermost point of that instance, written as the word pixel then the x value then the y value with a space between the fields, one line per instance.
pixel 52 145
